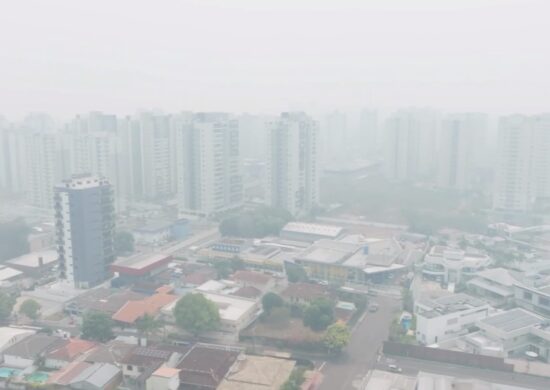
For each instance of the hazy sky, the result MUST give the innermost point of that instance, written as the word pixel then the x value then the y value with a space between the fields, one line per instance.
pixel 69 56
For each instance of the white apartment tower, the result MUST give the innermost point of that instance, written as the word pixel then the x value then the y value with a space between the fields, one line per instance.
pixel 462 146
pixel 410 145
pixel 292 164
pixel 523 162
pixel 208 164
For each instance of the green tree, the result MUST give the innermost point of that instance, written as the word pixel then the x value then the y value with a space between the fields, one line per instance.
pixel 257 223
pixel 147 325
pixel 6 305
pixel 319 314
pixel 223 268
pixel 279 316
pixel 271 301
pixel 124 243
pixel 295 273
pixel 196 314
pixel 336 337
pixel 30 308
pixel 97 326
pixel 295 380
pixel 13 239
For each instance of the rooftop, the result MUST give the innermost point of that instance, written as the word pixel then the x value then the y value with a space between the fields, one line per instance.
pixel 99 375
pixel 154 226
pixel 166 372
pixel 133 310
pixel 384 380
pixel 72 349
pixel 512 320
pixel 7 273
pixel 140 263
pixel 206 367
pixel 8 333
pixel 32 260
pixel 448 304
pixel 258 373
pixel 329 231
pixel 254 277
pixel 34 345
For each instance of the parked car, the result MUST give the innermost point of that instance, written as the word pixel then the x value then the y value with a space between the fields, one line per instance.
pixel 373 307
pixel 394 368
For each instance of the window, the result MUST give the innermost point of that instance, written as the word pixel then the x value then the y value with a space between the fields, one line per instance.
pixel 130 368
pixel 544 301
pixel 527 295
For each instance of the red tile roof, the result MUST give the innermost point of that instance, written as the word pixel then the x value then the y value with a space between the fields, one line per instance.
pixel 133 310
pixel 71 350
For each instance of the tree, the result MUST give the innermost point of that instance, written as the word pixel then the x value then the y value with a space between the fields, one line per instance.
pixel 124 243
pixel 97 326
pixel 295 380
pixel 257 223
pixel 271 301
pixel 196 314
pixel 147 325
pixel 13 239
pixel 6 305
pixel 336 337
pixel 319 314
pixel 30 308
pixel 295 273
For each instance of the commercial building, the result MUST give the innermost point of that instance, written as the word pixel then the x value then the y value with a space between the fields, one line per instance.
pixel 140 266
pixel 209 165
pixel 153 233
pixel 497 285
pixel 35 264
pixel 523 162
pixel 84 214
pixel 384 380
pixel 461 150
pixel 310 232
pixel 292 176
pixel 452 265
pixel 341 261
pixel 447 317
pixel 430 381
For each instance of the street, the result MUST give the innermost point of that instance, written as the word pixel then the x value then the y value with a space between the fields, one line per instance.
pixel 348 371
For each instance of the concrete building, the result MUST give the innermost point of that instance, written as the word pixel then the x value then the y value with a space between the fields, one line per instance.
pixel 292 177
pixel 533 297
pixel 141 266
pixel 523 162
pixel 384 380
pixel 447 317
pixel 209 165
pixel 462 148
pixel 310 232
pixel 341 261
pixel 510 333
pixel 452 265
pixel 257 373
pixel 410 145
pixel 84 215
pixel 430 381
pixel 335 141
pixel 12 159
pixel 369 137
pixel 496 285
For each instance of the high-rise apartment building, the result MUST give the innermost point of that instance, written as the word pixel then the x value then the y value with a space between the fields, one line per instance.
pixel 368 137
pixel 209 164
pixel 293 164
pixel 146 144
pixel 84 214
pixel 523 162
pixel 462 146
pixel 411 145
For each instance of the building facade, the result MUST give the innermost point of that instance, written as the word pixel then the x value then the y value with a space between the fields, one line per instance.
pixel 292 164
pixel 84 213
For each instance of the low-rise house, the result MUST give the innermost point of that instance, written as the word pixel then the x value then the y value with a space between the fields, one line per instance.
pixel 24 353
pixel 35 264
pixel 73 349
pixel 105 300
pixel 99 376
pixel 9 275
pixel 259 280
pixel 257 373
pixel 447 317
pixel 452 265
pixel 142 359
pixel 204 368
pixel 384 380
pixel 303 293
pixel 133 310
pixel 81 375
pixel 12 335
pixel 164 378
